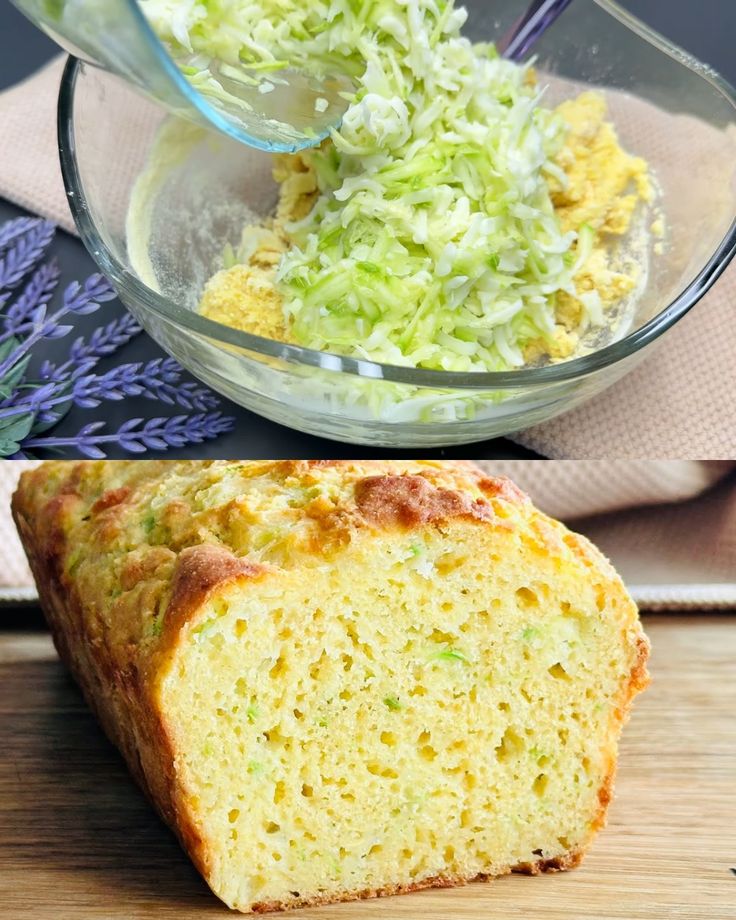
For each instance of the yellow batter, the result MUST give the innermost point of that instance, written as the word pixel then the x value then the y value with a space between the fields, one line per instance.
pixel 604 186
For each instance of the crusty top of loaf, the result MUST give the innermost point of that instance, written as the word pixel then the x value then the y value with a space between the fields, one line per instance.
pixel 145 542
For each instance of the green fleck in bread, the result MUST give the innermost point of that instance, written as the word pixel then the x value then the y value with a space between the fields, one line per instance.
pixel 340 679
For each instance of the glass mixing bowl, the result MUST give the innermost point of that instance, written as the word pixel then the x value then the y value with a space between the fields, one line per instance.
pixel 668 108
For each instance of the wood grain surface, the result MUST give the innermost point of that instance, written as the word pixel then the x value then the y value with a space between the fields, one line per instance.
pixel 78 840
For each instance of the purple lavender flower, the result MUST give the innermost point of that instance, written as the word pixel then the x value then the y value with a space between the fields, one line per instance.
pixel 85 354
pixel 27 248
pixel 31 406
pixel 138 435
pixel 78 299
pixel 12 229
pixel 38 292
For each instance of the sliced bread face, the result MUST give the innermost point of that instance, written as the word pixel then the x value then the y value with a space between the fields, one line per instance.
pixel 343 680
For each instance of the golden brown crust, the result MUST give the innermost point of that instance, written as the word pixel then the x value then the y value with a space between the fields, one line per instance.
pixel 562 863
pixel 114 694
pixel 605 793
pixel 143 565
pixel 410 501
pixel 51 538
pixel 110 498
pixel 640 678
pixel 501 487
pixel 199 570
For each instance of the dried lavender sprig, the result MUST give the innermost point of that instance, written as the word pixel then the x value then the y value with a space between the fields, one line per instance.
pixel 36 399
pixel 29 407
pixel 38 291
pixel 27 250
pixel 138 435
pixel 85 298
pixel 106 340
pixel 103 342
pixel 78 299
pixel 158 379
pixel 12 229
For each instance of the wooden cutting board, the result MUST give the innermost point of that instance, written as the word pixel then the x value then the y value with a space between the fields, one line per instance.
pixel 78 840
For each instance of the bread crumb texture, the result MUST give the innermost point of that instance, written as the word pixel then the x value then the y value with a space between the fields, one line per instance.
pixel 340 679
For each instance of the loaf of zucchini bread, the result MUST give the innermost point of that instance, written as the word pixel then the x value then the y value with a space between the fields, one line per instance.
pixel 340 679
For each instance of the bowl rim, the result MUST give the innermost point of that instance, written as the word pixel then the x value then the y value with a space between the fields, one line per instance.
pixel 128 283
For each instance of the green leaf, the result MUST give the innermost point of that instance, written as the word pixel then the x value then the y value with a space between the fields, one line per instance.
pixel 14 376
pixel 17 427
pixel 8 448
pixel 7 348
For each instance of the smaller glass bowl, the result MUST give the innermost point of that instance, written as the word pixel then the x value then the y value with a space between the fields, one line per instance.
pixel 668 108
pixel 116 35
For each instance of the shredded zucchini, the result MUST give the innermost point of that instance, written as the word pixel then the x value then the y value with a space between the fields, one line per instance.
pixel 433 242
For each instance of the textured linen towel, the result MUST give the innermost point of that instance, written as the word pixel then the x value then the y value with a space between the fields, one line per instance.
pixel 669 526
pixel 30 174
pixel 678 403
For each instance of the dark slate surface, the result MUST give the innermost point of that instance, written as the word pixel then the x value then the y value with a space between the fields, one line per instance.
pixel 706 29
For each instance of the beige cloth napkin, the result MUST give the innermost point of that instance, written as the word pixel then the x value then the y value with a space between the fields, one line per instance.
pixel 29 160
pixel 680 402
pixel 669 526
